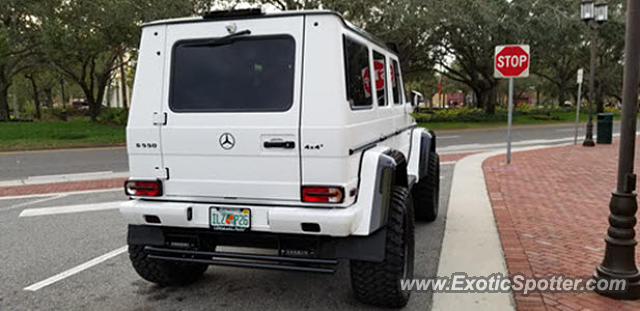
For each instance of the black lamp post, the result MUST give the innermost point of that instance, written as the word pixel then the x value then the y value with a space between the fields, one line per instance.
pixel 619 257
pixel 593 14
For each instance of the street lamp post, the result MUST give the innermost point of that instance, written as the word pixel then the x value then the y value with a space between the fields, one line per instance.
pixel 593 14
pixel 619 257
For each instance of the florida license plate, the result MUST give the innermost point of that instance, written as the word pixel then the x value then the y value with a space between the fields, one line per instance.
pixel 230 219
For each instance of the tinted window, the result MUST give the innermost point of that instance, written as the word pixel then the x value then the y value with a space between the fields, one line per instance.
pixel 396 82
pixel 380 64
pixel 250 74
pixel 356 58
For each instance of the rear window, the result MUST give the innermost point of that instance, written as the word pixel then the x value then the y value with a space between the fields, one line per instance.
pixel 248 74
pixel 356 58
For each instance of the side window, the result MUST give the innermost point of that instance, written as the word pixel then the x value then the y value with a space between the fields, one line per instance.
pixel 396 83
pixel 356 59
pixel 380 63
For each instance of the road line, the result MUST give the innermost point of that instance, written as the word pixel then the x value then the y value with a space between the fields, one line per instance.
pixel 68 209
pixel 64 150
pixel 76 269
pixel 497 146
pixel 40 195
pixel 23 204
pixel 448 137
pixel 60 178
pixel 448 163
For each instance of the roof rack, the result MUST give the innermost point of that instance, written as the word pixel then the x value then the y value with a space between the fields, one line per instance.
pixel 232 13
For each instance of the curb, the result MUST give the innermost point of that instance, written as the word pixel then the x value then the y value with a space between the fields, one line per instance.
pixel 471 242
pixel 63 178
pixel 64 148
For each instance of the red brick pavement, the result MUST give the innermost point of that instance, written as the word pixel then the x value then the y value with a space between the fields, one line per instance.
pixel 551 209
pixel 62 187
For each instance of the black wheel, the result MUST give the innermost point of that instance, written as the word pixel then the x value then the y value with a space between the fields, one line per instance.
pixel 378 283
pixel 164 273
pixel 426 193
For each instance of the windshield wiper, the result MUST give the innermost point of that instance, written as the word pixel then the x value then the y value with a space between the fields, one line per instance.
pixel 220 41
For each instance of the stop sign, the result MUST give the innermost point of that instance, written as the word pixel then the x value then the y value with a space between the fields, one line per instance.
pixel 512 61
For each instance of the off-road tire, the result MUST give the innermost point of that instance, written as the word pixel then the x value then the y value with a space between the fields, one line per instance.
pixel 378 283
pixel 164 273
pixel 426 193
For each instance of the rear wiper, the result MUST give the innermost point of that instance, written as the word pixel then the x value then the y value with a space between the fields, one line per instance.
pixel 220 41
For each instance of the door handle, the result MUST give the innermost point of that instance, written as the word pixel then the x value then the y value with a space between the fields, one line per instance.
pixel 280 144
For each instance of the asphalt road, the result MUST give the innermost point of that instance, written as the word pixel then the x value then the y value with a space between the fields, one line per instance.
pixel 21 165
pixel 474 140
pixel 43 245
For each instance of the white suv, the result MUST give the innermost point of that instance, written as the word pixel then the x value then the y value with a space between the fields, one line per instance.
pixel 268 131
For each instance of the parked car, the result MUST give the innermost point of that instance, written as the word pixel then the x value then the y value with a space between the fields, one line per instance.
pixel 288 131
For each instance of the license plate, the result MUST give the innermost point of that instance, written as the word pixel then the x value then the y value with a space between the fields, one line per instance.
pixel 230 219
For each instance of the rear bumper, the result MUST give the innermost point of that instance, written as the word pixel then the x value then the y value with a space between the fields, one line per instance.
pixel 335 222
pixel 201 246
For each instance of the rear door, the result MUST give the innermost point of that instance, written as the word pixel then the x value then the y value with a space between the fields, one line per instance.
pixel 232 108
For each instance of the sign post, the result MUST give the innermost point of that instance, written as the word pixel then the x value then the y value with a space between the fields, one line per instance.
pixel 578 103
pixel 511 61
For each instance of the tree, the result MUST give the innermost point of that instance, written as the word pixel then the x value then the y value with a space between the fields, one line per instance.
pixel 16 45
pixel 88 40
pixel 467 39
pixel 557 37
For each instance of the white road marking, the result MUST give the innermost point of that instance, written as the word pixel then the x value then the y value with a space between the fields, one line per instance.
pixel 568 130
pixel 496 146
pixel 448 163
pixel 76 269
pixel 23 204
pixel 68 209
pixel 40 195
pixel 448 137
pixel 47 179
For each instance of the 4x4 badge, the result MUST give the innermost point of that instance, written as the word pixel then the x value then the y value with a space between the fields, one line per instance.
pixel 227 141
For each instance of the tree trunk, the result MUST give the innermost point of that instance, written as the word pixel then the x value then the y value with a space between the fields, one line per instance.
pixel 123 83
pixel 4 102
pixel 491 103
pixel 36 96
pixel 63 94
pixel 48 92
pixel 561 97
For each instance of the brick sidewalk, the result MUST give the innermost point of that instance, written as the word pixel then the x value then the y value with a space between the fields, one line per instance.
pixel 551 209
pixel 63 187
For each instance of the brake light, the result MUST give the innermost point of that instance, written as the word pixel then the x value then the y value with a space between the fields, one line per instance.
pixel 150 188
pixel 320 194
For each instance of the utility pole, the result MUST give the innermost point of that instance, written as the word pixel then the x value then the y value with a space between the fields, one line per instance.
pixel 619 257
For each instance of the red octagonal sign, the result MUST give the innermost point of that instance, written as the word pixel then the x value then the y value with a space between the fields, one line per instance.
pixel 512 61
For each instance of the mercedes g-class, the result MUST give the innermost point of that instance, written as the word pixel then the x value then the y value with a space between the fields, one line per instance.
pixel 289 132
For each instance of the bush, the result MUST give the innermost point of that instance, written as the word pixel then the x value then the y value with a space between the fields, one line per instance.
pixel 62 114
pixel 460 115
pixel 611 109
pixel 113 116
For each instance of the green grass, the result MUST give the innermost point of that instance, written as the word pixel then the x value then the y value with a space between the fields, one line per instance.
pixel 54 134
pixel 562 117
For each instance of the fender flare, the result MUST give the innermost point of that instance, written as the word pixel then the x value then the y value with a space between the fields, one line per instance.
pixel 427 145
pixel 382 168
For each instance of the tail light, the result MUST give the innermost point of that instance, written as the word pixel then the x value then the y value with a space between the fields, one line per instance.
pixel 321 194
pixel 148 188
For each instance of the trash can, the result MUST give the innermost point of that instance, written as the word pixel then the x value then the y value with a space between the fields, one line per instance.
pixel 605 128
